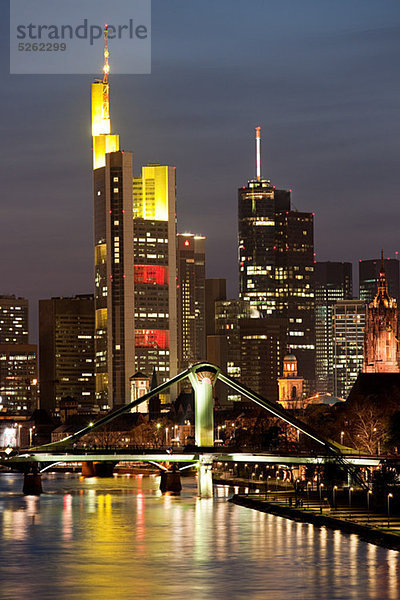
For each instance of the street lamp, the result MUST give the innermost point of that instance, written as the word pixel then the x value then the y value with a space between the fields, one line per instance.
pixel 266 488
pixel 390 495
pixel 308 493
pixel 166 435
pixel 334 496
pixel 321 485
pixel 341 437
pixel 369 494
pixel 350 490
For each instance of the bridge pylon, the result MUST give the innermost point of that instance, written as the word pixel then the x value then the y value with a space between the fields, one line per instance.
pixel 203 378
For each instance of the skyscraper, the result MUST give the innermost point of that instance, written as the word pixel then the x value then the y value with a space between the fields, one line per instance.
pixel 18 358
pixel 276 263
pixel 333 282
pixel 14 320
pixel 113 230
pixel 191 299
pixel 348 340
pixel 369 273
pixel 66 351
pixel 262 347
pixel 155 271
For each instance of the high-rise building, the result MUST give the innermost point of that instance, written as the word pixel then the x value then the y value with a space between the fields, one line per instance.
pixel 333 282
pixel 215 290
pixel 276 264
pixel 191 299
pixel 262 347
pixel 228 317
pixel 14 320
pixel 381 336
pixel 348 339
pixel 369 273
pixel 66 351
pixel 18 378
pixel 155 271
pixel 113 230
pixel 18 358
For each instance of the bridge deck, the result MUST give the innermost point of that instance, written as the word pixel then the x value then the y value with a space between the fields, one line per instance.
pixel 119 456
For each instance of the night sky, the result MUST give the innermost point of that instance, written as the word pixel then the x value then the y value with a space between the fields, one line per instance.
pixel 320 77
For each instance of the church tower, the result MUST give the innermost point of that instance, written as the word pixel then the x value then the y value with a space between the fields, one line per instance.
pixel 290 384
pixel 381 347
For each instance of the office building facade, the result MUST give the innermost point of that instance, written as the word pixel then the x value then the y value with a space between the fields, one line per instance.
pixel 14 320
pixel 191 299
pixel 333 282
pixel 348 344
pixel 155 271
pixel 67 351
pixel 276 266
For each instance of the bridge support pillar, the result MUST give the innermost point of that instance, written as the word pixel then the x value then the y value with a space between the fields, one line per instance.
pixel 88 469
pixel 204 478
pixel 91 468
pixel 32 481
pixel 171 480
pixel 203 379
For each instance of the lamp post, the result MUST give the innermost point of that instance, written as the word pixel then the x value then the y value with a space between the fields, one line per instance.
pixel 334 496
pixel 390 495
pixel 341 437
pixel 350 490
pixel 321 485
pixel 267 486
pixel 369 493
pixel 166 435
pixel 308 493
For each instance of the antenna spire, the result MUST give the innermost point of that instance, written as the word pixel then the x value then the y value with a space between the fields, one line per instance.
pixel 106 70
pixel 106 67
pixel 258 153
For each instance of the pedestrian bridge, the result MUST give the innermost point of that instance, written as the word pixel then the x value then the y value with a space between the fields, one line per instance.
pixel 203 377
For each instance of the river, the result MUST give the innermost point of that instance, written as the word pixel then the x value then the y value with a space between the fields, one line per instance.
pixel 119 538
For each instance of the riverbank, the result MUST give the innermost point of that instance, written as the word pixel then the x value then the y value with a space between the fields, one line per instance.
pixel 368 533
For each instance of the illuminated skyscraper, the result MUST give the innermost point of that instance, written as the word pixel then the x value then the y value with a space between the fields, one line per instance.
pixel 191 299
pixel 348 338
pixel 333 282
pixel 66 351
pixel 113 230
pixel 14 320
pixel 276 264
pixel 155 271
pixel 18 358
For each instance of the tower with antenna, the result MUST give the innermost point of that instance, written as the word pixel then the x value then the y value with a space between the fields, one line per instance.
pixel 276 263
pixel 103 140
pixel 113 251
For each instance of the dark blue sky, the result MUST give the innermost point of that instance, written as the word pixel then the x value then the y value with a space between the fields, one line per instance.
pixel 320 77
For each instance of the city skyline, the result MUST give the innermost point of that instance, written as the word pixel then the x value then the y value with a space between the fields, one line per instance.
pixel 310 133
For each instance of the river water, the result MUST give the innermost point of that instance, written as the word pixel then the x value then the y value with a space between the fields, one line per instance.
pixel 119 538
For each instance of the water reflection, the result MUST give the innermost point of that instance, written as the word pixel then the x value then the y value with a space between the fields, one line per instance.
pixel 98 539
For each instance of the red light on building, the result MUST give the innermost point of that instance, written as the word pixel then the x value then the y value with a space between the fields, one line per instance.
pixel 151 274
pixel 152 338
pixel 187 243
